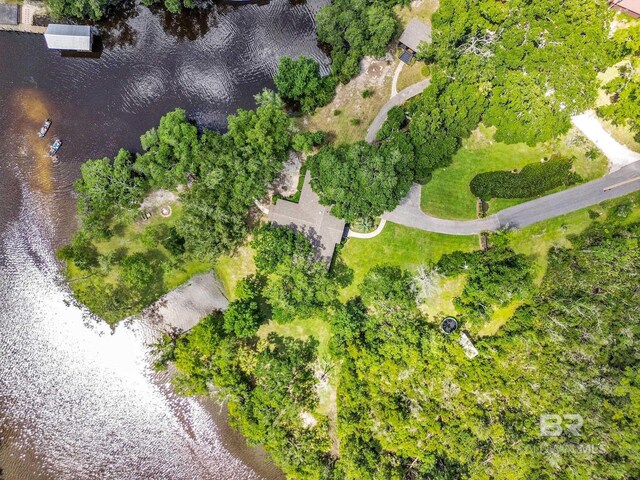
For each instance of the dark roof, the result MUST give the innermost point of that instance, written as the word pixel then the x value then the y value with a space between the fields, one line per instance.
pixel 415 33
pixel 309 217
pixel 406 57
pixel 8 14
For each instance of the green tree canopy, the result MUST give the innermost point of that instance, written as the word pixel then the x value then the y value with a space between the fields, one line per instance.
pixel 299 80
pixel 362 181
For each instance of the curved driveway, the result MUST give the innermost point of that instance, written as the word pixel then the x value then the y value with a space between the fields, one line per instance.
pixel 394 101
pixel 621 182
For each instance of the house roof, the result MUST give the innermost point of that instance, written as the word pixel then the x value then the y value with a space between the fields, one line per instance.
pixel 323 230
pixel 8 14
pixel 68 37
pixel 629 5
pixel 415 33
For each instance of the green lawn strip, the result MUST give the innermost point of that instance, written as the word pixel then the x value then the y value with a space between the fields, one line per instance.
pixel 230 269
pixel 499 317
pixel 447 195
pixel 402 246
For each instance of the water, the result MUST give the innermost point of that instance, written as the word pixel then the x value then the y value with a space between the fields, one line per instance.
pixel 77 402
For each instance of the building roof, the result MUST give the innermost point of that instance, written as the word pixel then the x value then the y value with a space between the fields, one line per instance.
pixel 632 6
pixel 415 33
pixel 8 14
pixel 307 216
pixel 68 37
pixel 406 57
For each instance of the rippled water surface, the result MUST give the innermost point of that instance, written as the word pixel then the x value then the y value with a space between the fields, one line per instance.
pixel 77 402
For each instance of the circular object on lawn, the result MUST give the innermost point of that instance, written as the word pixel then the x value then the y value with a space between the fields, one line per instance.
pixel 165 211
pixel 449 325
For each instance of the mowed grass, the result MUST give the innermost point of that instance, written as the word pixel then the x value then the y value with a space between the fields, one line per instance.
pixel 410 74
pixel 302 329
pixel 448 195
pixel 230 269
pixel 400 246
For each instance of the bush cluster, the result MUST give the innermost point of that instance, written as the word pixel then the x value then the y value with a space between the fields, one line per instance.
pixel 533 180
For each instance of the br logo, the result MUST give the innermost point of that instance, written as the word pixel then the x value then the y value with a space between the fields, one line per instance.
pixel 552 425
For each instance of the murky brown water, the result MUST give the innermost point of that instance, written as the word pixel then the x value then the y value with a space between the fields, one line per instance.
pixel 77 402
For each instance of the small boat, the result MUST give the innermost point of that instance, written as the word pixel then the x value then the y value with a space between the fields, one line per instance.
pixel 45 128
pixel 55 147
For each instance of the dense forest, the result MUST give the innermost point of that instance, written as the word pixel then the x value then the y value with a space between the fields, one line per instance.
pixel 410 404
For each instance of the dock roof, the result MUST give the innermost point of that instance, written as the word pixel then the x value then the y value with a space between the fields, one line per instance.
pixel 415 33
pixel 323 230
pixel 68 37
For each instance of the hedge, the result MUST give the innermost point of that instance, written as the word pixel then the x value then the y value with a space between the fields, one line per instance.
pixel 533 180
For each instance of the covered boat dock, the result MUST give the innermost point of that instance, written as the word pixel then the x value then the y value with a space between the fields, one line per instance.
pixel 78 38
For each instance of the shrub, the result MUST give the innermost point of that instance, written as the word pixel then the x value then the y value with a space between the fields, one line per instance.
pixel 534 179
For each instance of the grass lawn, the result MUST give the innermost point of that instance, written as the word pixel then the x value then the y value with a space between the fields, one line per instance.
pixel 447 195
pixel 410 74
pixel 171 271
pixel 442 305
pixel 126 241
pixel 302 329
pixel 402 246
pixel 230 269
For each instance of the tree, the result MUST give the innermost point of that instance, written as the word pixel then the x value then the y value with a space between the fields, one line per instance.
pixel 236 169
pixel 300 81
pixel 136 273
pixel 274 245
pixel 170 151
pixel 361 181
pixel 173 6
pixel 93 9
pixel 297 287
pixel 104 189
pixel 242 318
pixel 353 29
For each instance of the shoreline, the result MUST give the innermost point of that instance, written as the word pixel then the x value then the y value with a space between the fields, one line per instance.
pixel 181 309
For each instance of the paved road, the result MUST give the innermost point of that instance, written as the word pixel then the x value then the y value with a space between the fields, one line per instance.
pixel 408 213
pixel 398 99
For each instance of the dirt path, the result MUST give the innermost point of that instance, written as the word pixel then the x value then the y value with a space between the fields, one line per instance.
pixel 619 155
